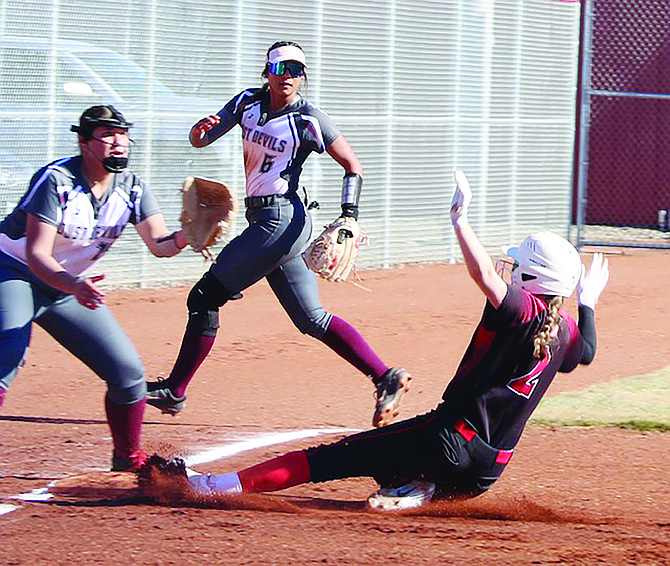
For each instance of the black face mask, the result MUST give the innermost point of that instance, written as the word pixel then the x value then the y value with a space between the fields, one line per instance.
pixel 115 164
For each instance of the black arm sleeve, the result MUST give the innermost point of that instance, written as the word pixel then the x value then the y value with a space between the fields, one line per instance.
pixel 587 327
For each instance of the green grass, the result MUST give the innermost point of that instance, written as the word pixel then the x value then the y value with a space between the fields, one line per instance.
pixel 639 403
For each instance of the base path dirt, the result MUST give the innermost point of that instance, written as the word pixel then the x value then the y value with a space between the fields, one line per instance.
pixel 569 495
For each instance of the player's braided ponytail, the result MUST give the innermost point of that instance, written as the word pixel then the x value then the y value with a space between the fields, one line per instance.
pixel 543 337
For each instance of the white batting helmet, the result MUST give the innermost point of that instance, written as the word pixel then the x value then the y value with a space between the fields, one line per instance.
pixel 546 264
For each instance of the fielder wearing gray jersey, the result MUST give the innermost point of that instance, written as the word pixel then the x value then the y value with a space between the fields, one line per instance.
pixel 279 131
pixel 73 211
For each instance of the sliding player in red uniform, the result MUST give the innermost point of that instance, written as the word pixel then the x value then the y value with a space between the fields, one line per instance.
pixel 460 448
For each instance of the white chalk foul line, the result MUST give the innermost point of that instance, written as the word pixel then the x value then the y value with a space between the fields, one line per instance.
pixel 6 508
pixel 210 455
pixel 39 494
pixel 227 450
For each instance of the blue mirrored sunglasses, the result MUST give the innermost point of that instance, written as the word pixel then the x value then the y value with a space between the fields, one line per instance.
pixel 294 68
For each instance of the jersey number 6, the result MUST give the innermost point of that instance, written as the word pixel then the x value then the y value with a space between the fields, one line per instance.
pixel 268 162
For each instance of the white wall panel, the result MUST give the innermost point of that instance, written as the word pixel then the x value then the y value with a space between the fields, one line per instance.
pixel 417 86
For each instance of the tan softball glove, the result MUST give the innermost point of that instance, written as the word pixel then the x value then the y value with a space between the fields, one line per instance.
pixel 208 210
pixel 333 253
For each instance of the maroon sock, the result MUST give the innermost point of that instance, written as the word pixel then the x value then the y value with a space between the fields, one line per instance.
pixel 125 422
pixel 346 341
pixel 193 351
pixel 278 473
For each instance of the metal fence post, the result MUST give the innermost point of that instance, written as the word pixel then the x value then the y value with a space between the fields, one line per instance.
pixel 585 117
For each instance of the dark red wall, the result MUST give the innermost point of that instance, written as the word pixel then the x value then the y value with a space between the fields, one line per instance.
pixel 629 139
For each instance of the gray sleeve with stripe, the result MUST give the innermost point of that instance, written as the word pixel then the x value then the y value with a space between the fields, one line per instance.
pixel 230 115
pixel 42 200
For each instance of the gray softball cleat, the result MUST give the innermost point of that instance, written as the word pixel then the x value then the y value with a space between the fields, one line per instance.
pixel 160 396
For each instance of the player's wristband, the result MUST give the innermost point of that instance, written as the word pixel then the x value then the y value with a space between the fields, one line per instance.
pixel 349 211
pixel 172 239
pixel 352 183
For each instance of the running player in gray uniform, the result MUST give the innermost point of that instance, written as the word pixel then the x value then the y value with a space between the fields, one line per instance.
pixel 279 131
pixel 462 447
pixel 73 211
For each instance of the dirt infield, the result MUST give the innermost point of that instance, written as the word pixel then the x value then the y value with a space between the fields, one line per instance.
pixel 569 496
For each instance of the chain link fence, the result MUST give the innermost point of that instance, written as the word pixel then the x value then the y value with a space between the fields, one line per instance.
pixel 418 87
pixel 624 153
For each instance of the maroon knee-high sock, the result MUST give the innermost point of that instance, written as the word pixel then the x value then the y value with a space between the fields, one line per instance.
pixel 278 473
pixel 125 423
pixel 193 351
pixel 346 341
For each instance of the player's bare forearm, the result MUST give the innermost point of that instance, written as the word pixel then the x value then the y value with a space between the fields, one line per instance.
pixel 49 270
pixel 479 263
pixel 168 245
pixel 160 241
pixel 40 238
pixel 342 152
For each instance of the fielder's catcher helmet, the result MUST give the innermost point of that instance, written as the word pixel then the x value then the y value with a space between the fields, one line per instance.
pixel 546 264
pixel 103 115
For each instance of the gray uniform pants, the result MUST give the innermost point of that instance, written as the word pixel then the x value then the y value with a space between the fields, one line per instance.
pixel 93 336
pixel 271 247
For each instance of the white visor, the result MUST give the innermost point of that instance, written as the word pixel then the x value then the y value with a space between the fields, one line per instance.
pixel 287 53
